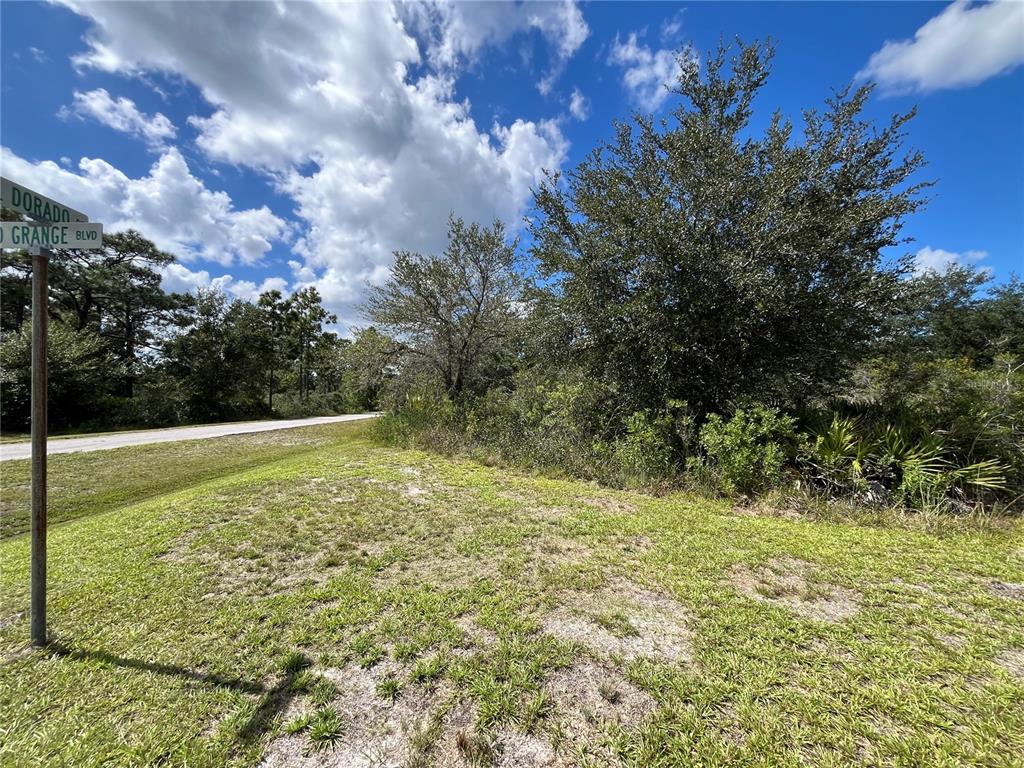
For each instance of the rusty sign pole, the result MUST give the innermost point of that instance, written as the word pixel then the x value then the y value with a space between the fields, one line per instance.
pixel 40 326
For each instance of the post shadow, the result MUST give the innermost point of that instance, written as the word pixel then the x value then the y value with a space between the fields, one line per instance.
pixel 274 699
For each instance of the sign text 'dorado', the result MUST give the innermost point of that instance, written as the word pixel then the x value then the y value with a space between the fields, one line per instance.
pixel 36 206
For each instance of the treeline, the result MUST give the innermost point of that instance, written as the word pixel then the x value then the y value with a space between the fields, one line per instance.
pixel 703 305
pixel 125 353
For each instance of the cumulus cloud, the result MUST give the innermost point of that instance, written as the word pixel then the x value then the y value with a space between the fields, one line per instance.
pixel 121 115
pixel 962 46
pixel 177 278
pixel 930 259
pixel 455 32
pixel 169 205
pixel 321 98
pixel 647 73
pixel 579 105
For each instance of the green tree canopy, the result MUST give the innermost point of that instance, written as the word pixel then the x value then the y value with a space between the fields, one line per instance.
pixel 452 316
pixel 689 259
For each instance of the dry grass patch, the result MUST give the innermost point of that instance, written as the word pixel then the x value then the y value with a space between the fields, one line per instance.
pixel 444 570
pixel 590 698
pixel 1006 589
pixel 609 504
pixel 370 723
pixel 791 583
pixel 624 620
pixel 462 745
pixel 1012 660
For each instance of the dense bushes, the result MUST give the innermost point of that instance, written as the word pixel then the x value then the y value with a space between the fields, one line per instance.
pixel 929 460
pixel 720 310
pixel 748 450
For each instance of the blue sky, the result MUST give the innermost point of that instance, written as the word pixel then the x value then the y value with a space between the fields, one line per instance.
pixel 295 144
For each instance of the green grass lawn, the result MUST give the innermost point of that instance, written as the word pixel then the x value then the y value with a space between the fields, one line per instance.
pixel 81 484
pixel 348 602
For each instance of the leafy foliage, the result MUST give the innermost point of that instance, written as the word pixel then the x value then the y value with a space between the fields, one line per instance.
pixel 689 260
pixel 452 316
pixel 749 449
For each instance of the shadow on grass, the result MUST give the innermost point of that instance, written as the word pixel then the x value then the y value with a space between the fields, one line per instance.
pixel 274 700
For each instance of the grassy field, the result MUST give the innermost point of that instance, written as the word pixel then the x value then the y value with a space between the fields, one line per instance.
pixel 83 484
pixel 349 604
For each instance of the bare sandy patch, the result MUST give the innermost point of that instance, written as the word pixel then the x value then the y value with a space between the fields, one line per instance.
pixel 523 750
pixel 609 504
pixel 591 697
pixel 415 492
pixel 624 620
pixel 375 732
pixel 1012 660
pixel 952 640
pixel 1006 589
pixel 444 570
pixel 461 744
pixel 475 635
pixel 9 621
pixel 789 583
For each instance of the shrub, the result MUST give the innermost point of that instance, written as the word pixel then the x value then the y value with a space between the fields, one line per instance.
pixel 290 405
pixel 416 420
pixel 652 447
pixel 749 450
pixel 919 470
pixel 837 458
pixel 542 424
pixel 979 412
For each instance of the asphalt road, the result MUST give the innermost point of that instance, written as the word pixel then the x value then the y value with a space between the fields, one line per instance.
pixel 10 451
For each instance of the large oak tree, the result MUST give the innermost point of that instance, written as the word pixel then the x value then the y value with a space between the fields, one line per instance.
pixel 691 258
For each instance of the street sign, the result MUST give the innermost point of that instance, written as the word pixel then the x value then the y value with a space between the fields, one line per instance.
pixel 36 206
pixel 53 225
pixel 27 234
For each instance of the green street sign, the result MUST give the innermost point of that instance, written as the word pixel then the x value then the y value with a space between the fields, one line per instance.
pixel 26 234
pixel 36 206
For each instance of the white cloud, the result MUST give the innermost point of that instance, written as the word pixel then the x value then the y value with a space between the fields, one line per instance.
pixel 962 46
pixel 930 259
pixel 671 27
pixel 579 105
pixel 170 206
pixel 121 115
pixel 177 278
pixel 320 98
pixel 648 73
pixel 456 31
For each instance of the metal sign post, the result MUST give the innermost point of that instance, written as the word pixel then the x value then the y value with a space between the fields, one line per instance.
pixel 53 225
pixel 40 326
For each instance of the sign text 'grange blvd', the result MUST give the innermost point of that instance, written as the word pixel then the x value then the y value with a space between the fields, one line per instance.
pixel 18 234
pixel 53 226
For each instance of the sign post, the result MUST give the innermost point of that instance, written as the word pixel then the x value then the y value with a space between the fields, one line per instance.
pixel 54 225
pixel 40 325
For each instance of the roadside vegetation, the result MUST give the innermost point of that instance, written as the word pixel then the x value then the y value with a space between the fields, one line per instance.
pixel 86 484
pixel 125 353
pixel 710 307
pixel 360 601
